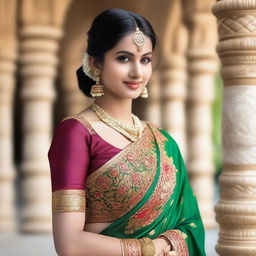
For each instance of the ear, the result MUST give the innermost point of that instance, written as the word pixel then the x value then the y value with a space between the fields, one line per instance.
pixel 95 66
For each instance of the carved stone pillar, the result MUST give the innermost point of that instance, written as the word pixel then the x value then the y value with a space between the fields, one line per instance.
pixel 236 210
pixel 173 78
pixel 40 33
pixel 7 83
pixel 202 68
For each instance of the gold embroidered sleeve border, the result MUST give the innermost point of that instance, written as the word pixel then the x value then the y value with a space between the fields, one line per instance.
pixel 71 200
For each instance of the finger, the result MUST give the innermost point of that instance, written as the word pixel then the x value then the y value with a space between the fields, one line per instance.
pixel 172 253
pixel 164 252
pixel 167 248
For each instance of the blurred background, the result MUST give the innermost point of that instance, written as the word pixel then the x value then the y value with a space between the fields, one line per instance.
pixel 41 47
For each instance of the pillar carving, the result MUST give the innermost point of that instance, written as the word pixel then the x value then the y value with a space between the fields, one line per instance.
pixel 7 84
pixel 236 210
pixel 202 68
pixel 173 77
pixel 39 34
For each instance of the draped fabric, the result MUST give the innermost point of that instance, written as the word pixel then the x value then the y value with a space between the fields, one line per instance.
pixel 168 204
pixel 143 190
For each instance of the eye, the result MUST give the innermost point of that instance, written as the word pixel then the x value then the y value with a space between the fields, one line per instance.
pixel 145 60
pixel 123 58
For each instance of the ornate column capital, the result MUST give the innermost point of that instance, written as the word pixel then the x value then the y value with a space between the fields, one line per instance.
pixel 222 6
pixel 47 12
pixel 237 40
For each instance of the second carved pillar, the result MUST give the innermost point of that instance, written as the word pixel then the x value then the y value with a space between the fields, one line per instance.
pixel 202 67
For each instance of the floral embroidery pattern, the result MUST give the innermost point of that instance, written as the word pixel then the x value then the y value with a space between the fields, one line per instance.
pixel 164 189
pixel 117 186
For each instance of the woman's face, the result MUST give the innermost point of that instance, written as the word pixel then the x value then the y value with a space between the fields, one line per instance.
pixel 126 71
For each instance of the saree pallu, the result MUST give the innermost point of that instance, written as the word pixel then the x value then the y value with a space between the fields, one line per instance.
pixel 144 191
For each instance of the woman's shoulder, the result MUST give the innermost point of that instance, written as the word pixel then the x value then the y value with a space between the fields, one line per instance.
pixel 78 121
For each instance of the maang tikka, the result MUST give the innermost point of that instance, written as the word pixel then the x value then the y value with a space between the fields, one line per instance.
pixel 97 89
pixel 139 39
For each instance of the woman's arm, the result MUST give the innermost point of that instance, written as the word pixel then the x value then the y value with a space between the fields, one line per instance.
pixel 71 240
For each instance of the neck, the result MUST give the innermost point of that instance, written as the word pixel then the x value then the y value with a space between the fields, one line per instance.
pixel 120 109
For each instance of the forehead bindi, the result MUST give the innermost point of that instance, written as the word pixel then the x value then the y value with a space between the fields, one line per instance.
pixel 127 44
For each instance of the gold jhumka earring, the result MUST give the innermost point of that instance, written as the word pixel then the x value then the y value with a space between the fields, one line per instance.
pixel 144 93
pixel 97 90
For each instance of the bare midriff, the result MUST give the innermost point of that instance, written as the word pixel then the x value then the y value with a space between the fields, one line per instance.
pixel 95 227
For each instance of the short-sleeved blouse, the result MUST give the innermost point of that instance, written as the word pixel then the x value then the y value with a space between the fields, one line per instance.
pixel 75 152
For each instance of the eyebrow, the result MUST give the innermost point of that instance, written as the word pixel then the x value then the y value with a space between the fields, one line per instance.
pixel 129 53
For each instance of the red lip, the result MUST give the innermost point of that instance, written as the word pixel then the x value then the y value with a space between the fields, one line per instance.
pixel 133 83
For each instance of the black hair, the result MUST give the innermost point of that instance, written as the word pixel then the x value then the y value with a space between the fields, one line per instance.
pixel 107 29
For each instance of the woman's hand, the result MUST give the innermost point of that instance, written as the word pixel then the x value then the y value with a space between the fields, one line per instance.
pixel 161 246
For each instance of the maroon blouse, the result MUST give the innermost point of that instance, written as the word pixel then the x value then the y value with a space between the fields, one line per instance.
pixel 75 152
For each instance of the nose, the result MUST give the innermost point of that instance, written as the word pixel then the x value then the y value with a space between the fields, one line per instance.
pixel 136 70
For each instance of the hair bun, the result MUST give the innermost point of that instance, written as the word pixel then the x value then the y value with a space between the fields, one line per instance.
pixel 85 83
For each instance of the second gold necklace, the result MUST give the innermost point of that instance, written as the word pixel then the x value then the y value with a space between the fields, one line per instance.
pixel 131 132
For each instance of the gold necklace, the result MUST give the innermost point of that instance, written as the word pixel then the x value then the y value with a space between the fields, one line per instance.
pixel 131 132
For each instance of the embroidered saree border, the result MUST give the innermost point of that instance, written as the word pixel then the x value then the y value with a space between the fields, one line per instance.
pixel 70 200
pixel 117 186
pixel 121 153
pixel 150 211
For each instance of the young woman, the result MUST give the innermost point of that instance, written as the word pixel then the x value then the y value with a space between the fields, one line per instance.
pixel 119 184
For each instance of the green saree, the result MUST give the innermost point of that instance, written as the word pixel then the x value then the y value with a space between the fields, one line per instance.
pixel 144 191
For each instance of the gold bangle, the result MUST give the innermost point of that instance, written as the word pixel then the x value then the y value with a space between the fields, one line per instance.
pixel 130 247
pixel 177 240
pixel 147 247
